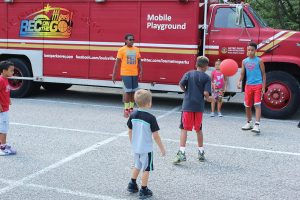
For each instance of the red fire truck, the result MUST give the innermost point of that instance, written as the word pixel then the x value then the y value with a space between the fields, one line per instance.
pixel 56 44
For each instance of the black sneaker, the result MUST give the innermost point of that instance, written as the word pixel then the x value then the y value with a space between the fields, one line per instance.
pixel 132 187
pixel 145 193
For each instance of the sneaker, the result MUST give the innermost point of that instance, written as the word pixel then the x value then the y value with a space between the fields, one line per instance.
pixel 126 113
pixel 145 193
pixel 201 156
pixel 247 126
pixel 180 157
pixel 212 114
pixel 256 129
pixel 220 114
pixel 132 187
pixel 7 150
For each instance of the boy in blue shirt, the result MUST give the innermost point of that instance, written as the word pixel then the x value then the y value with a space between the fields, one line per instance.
pixel 142 127
pixel 254 69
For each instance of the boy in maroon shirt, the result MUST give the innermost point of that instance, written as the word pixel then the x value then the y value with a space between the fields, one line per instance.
pixel 7 70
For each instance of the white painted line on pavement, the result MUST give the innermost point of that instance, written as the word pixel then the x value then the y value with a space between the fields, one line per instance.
pixel 64 129
pixel 84 104
pixel 157 110
pixel 239 147
pixel 75 193
pixel 70 158
pixel 64 191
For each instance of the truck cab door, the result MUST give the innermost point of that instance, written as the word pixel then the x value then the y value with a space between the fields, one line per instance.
pixel 225 38
pixel 3 25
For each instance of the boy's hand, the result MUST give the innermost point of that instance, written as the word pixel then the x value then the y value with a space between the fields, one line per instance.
pixel 113 78
pixel 239 85
pixel 163 152
pixel 210 99
pixel 263 90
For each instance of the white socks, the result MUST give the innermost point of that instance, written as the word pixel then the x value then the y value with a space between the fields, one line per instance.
pixel 201 149
pixel 182 149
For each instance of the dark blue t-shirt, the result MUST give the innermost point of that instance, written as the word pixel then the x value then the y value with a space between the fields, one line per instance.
pixel 195 82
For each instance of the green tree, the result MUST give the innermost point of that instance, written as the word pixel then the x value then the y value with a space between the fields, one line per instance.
pixel 283 14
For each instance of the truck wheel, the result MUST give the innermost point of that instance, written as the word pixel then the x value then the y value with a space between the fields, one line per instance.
pixel 56 86
pixel 21 88
pixel 282 96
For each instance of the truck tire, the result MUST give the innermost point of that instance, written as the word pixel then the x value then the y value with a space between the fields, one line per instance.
pixel 282 96
pixel 21 88
pixel 56 86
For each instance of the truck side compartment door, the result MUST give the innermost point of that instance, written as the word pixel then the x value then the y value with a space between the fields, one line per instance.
pixel 66 53
pixel 226 39
pixel 109 23
pixel 3 25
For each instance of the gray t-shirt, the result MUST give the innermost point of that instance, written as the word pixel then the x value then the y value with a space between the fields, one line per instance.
pixel 195 82
pixel 142 124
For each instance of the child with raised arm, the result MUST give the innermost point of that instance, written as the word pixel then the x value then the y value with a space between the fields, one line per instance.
pixel 142 128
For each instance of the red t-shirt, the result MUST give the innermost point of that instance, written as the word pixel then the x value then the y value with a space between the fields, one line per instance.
pixel 4 94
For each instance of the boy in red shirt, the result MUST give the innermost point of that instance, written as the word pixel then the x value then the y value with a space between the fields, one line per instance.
pixel 7 70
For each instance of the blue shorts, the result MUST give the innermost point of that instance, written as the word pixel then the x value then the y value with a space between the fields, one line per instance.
pixel 130 83
pixel 143 161
pixel 4 122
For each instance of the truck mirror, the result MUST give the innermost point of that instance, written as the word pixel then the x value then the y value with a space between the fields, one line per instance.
pixel 239 18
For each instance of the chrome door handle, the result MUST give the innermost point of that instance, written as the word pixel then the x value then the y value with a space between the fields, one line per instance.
pixel 215 30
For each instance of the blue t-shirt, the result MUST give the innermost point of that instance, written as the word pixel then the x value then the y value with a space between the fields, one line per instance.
pixel 142 124
pixel 195 82
pixel 253 72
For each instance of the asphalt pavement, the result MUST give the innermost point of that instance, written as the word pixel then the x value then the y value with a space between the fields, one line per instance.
pixel 74 145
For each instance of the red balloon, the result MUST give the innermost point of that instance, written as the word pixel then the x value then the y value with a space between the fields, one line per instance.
pixel 229 67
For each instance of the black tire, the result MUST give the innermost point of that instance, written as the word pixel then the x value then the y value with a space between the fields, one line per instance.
pixel 292 105
pixel 56 86
pixel 26 86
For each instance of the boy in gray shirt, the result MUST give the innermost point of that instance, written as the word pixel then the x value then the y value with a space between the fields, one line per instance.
pixel 142 127
pixel 196 85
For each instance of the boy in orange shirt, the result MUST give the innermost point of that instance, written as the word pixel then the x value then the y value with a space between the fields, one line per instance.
pixel 129 58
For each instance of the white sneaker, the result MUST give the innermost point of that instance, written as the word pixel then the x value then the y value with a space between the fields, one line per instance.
pixel 256 129
pixel 212 114
pixel 247 126
pixel 220 114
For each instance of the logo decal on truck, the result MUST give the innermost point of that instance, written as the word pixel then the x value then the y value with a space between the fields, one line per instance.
pixel 50 22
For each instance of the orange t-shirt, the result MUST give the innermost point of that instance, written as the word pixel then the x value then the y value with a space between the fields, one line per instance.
pixel 129 60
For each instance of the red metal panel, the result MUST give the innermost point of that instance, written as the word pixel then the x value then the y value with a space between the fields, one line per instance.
pixel 71 60
pixel 3 24
pixel 110 22
pixel 169 23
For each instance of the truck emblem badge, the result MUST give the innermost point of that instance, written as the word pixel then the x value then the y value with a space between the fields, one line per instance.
pixel 49 22
pixel 224 50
